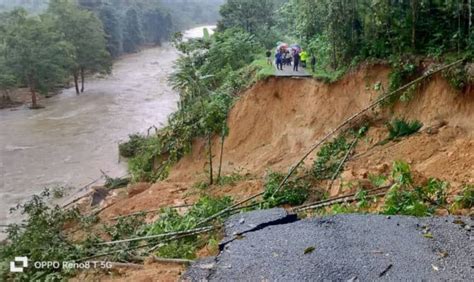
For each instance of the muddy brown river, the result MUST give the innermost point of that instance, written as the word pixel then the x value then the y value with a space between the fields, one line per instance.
pixel 74 137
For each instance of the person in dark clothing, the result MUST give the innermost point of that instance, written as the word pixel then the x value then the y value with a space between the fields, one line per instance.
pixel 269 55
pixel 296 61
pixel 279 60
pixel 313 63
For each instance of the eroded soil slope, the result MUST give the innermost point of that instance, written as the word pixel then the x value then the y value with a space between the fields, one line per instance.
pixel 275 122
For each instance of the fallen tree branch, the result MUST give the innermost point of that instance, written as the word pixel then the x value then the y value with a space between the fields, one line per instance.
pixel 186 232
pixel 336 173
pixel 149 211
pixel 229 208
pixel 172 260
pixel 348 198
pixel 302 207
pixel 176 237
pixel 354 116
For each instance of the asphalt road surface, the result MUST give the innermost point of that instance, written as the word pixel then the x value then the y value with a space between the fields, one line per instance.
pixel 273 246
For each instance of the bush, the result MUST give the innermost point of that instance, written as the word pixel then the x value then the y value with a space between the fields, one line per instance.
pixel 133 146
pixel 171 221
pixel 329 158
pixel 403 198
pixel 42 238
pixel 294 192
pixel 465 200
pixel 400 127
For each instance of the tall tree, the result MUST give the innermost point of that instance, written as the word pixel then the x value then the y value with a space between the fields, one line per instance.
pixel 35 52
pixel 250 15
pixel 132 33
pixel 111 22
pixel 85 32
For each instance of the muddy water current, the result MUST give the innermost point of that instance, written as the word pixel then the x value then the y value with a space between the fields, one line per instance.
pixel 75 136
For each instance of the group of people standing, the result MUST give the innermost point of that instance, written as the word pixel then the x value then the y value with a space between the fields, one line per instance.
pixel 293 56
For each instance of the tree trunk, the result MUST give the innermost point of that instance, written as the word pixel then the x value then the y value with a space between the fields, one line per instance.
pixel 34 104
pixel 76 83
pixel 220 157
pixel 209 144
pixel 82 79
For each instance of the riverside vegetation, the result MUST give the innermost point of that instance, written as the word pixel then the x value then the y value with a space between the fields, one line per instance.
pixel 209 75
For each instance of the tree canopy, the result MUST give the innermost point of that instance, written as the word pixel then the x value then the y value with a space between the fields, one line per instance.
pixel 84 31
pixel 34 52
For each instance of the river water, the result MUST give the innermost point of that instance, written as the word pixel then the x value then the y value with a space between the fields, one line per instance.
pixel 74 137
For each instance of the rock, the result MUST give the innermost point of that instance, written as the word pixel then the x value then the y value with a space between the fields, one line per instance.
pixel 98 195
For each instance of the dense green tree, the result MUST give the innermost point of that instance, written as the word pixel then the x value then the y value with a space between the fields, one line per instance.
pixel 346 30
pixel 85 33
pixel 111 21
pixel 35 52
pixel 132 32
pixel 250 15
pixel 8 80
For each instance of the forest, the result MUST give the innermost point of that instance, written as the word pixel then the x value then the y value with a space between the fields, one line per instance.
pixel 84 37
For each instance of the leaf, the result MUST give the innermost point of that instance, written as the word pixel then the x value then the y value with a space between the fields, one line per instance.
pixel 309 250
pixel 428 235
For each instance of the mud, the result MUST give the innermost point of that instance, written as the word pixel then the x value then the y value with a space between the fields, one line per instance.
pixel 74 137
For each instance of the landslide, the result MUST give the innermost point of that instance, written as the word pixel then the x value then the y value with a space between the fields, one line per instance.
pixel 275 122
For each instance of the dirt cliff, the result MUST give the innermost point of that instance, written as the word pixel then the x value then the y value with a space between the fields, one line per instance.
pixel 275 122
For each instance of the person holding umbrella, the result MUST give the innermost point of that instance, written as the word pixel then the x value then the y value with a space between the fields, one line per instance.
pixel 296 60
pixel 279 60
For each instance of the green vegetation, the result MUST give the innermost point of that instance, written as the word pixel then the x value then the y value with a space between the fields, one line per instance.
pixel 262 67
pixel 171 221
pixel 294 192
pixel 84 31
pixel 45 235
pixel 41 238
pixel 332 153
pixel 33 52
pixel 329 158
pixel 465 199
pixel 399 127
pixel 404 196
pixel 342 34
pixel 130 24
pixel 407 199
pixel 208 76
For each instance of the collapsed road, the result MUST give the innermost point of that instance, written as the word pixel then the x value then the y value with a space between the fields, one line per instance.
pixel 273 245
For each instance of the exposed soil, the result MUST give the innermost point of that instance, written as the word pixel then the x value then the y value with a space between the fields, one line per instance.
pixel 277 120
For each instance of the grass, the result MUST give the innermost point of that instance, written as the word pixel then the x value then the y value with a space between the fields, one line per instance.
pixel 324 75
pixel 264 70
pixel 294 192
pixel 329 158
pixel 465 200
pixel 400 127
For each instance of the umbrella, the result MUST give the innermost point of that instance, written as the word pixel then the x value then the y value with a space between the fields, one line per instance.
pixel 296 47
pixel 282 46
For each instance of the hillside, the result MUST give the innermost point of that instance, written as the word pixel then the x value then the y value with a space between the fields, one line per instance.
pixel 276 121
